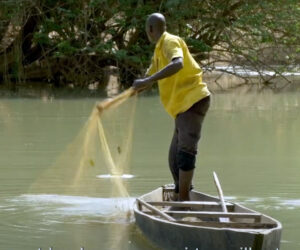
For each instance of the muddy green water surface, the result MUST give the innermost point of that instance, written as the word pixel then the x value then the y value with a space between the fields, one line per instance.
pixel 252 141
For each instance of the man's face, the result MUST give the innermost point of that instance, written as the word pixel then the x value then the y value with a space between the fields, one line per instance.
pixel 150 33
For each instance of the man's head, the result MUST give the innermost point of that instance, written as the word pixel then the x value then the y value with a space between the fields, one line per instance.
pixel 155 26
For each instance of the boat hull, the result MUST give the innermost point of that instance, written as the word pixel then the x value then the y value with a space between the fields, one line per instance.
pixel 168 236
pixel 171 235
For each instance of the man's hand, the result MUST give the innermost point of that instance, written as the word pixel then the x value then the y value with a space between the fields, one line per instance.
pixel 172 68
pixel 143 83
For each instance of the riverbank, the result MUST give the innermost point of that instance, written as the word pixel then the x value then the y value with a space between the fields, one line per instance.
pixel 221 79
pixel 225 78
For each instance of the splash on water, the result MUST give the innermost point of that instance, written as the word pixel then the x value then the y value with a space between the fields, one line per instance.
pixel 76 209
pixel 109 176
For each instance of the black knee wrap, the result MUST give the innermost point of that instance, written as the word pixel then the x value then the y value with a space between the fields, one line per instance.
pixel 185 161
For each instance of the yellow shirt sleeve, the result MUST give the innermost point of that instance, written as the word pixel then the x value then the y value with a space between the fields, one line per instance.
pixel 172 49
pixel 152 68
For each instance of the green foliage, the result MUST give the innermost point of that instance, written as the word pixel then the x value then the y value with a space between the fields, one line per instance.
pixel 199 45
pixel 41 38
pixel 114 32
pixel 120 54
pixel 65 48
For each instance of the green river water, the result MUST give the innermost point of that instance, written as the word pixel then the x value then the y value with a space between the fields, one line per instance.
pixel 252 141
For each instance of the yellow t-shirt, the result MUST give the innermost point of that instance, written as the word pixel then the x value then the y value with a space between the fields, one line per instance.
pixel 180 91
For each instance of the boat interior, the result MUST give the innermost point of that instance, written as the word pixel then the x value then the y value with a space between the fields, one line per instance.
pixel 202 211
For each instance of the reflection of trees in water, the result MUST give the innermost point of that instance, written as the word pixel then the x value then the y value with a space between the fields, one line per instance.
pixel 257 102
pixel 5 116
pixel 265 123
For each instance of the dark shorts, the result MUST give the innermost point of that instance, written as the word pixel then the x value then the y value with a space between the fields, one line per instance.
pixel 187 133
pixel 188 127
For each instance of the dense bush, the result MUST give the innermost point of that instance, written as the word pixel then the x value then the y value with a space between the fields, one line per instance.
pixel 73 40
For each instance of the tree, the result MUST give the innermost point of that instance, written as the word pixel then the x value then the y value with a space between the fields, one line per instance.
pixel 72 40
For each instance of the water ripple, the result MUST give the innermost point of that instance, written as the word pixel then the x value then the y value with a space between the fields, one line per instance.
pixel 276 203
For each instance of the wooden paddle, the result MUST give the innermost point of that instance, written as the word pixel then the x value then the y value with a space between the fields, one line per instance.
pixel 105 104
pixel 224 208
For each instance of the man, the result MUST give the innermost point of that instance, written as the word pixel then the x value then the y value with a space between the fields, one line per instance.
pixel 185 97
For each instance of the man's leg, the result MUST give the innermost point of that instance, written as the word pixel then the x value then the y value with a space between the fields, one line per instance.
pixel 186 164
pixel 189 126
pixel 185 180
pixel 173 162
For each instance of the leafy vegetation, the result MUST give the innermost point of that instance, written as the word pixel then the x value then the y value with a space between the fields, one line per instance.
pixel 72 41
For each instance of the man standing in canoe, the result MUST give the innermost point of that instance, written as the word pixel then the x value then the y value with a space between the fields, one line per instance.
pixel 184 96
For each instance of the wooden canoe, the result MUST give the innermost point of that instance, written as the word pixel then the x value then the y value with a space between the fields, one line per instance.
pixel 169 226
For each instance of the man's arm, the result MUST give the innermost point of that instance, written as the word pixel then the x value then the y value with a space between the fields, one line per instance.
pixel 172 68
